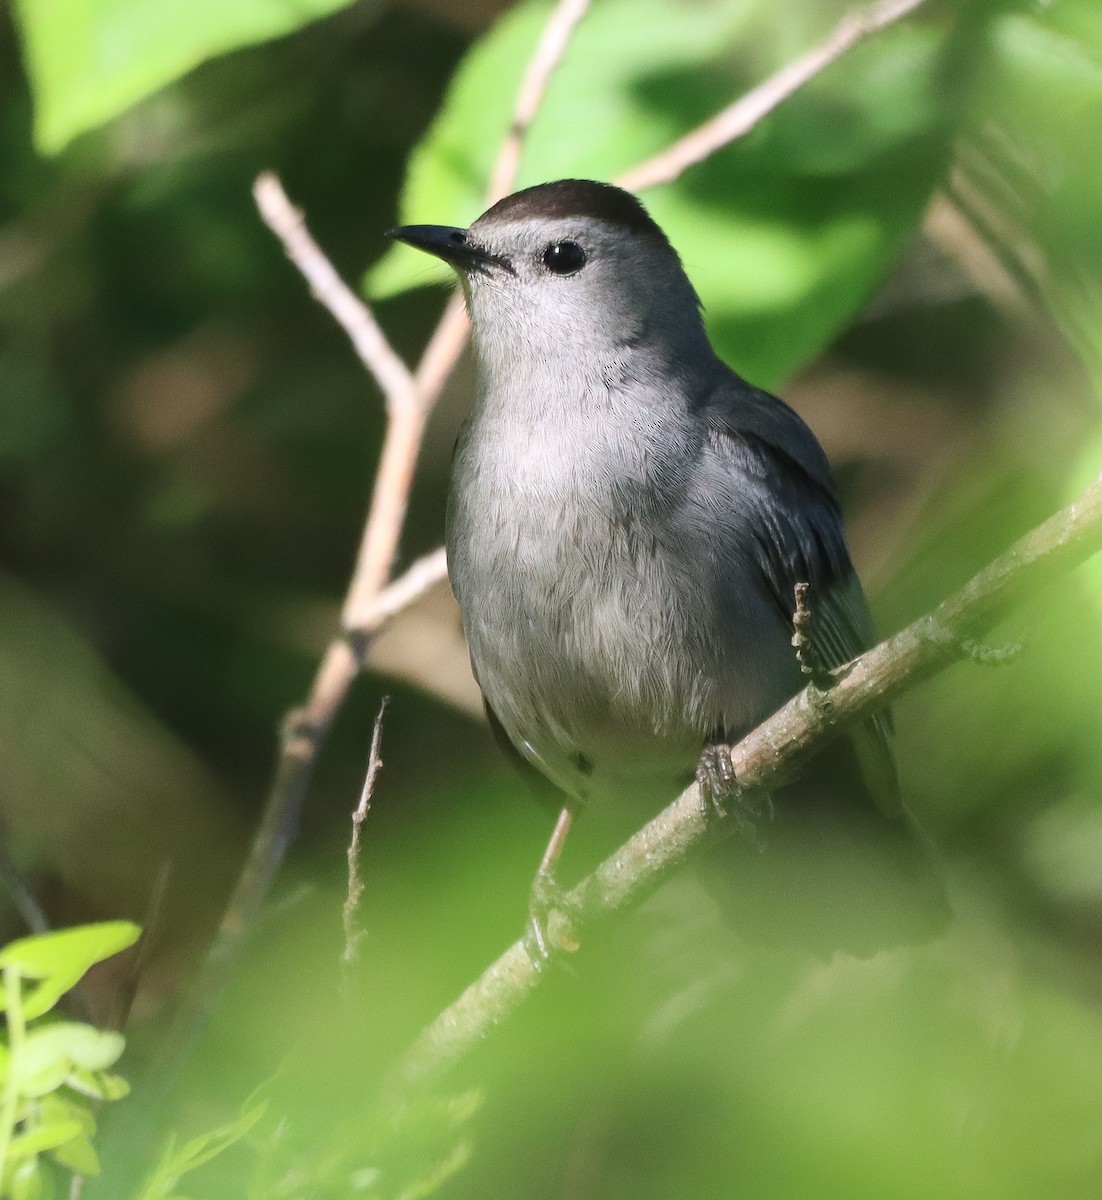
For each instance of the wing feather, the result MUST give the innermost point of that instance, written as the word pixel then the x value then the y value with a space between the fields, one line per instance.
pixel 800 540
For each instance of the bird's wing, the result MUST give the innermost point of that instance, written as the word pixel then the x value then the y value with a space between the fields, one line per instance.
pixel 798 528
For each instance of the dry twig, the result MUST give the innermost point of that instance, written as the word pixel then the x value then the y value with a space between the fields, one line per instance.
pixel 352 935
pixel 739 118
pixel 346 308
pixel 409 587
pixel 549 53
pixel 765 758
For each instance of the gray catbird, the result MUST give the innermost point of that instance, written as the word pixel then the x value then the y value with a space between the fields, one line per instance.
pixel 627 523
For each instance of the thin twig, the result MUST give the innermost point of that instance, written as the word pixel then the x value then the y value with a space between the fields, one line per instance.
pixel 139 956
pixel 744 114
pixel 409 587
pixel 549 53
pixel 766 757
pixel 352 935
pixel 351 313
pixel 387 513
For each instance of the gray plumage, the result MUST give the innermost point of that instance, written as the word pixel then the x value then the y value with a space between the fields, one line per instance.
pixel 628 517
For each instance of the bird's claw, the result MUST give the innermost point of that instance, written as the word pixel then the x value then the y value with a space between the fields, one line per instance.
pixel 715 773
pixel 547 899
pixel 722 794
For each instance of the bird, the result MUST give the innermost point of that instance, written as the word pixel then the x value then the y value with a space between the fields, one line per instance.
pixel 627 523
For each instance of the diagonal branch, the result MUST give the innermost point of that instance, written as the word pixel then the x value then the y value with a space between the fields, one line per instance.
pixel 739 118
pixel 352 935
pixel 550 51
pixel 346 308
pixel 765 758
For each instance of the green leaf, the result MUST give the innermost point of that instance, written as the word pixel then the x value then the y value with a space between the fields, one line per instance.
pixel 43 1137
pixel 99 1085
pixel 89 60
pixel 52 1052
pixel 177 1161
pixel 79 1155
pixel 59 1107
pixel 60 959
pixel 785 233
pixel 27 1182
pixel 1044 88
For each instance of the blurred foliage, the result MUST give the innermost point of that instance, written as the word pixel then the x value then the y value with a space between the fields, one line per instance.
pixel 51 1070
pixel 185 450
pixel 90 60
pixel 178 1161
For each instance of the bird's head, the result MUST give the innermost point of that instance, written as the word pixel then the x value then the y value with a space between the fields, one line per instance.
pixel 568 268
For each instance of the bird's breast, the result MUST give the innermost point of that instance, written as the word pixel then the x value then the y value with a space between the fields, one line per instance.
pixel 589 614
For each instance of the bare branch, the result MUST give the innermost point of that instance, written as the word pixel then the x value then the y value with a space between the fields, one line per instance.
pixel 549 53
pixel 408 588
pixel 352 935
pixel 346 308
pixel 739 118
pixel 766 757
pixel 387 514
pixel 444 348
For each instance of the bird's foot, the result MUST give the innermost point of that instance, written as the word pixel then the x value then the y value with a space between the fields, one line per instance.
pixel 547 904
pixel 715 773
pixel 722 794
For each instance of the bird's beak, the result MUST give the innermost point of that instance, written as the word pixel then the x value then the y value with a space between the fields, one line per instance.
pixel 452 245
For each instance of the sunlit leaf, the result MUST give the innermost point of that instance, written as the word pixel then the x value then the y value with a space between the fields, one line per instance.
pixel 179 1160
pixel 43 1137
pixel 59 1107
pixel 99 1085
pixel 28 1182
pixel 50 1053
pixel 60 959
pixel 79 1155
pixel 89 60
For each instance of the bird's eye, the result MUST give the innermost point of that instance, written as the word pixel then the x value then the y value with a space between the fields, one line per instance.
pixel 564 258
